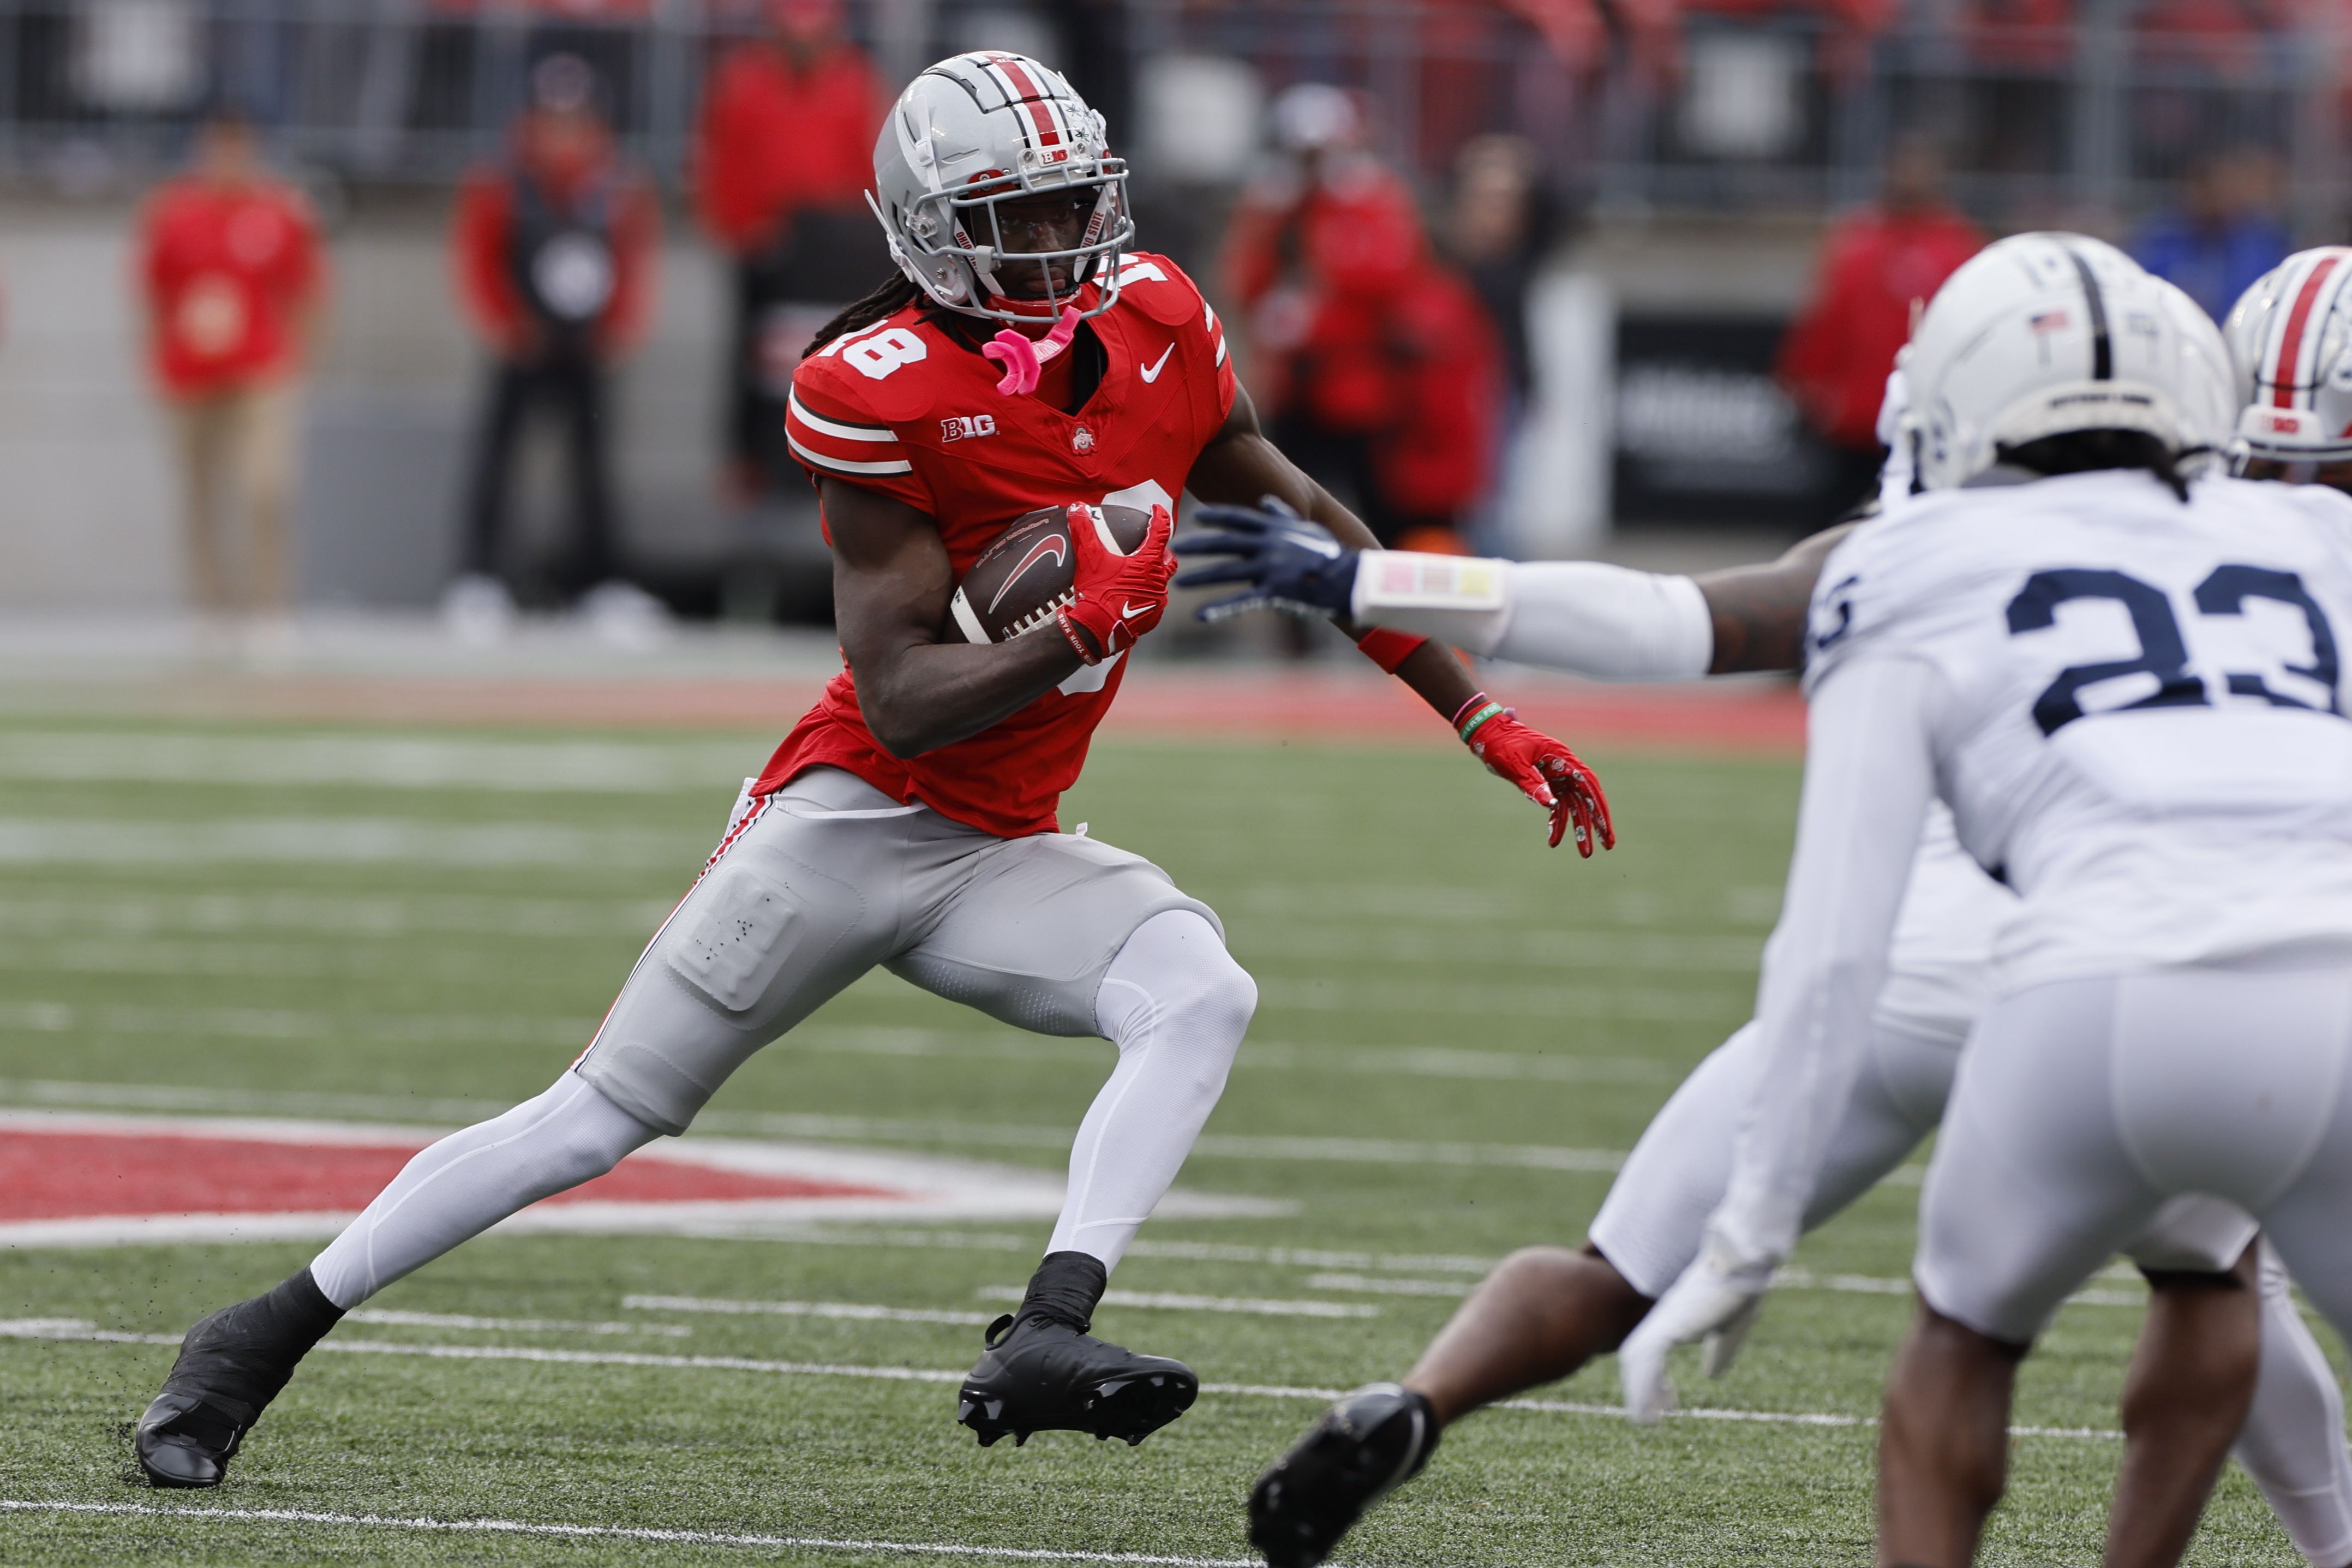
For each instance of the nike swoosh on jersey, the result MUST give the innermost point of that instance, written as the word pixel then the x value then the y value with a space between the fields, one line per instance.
pixel 1152 374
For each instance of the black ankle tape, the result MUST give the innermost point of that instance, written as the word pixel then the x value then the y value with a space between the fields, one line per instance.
pixel 298 1304
pixel 1065 1290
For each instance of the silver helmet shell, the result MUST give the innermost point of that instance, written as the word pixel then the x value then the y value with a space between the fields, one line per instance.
pixel 978 129
pixel 2291 337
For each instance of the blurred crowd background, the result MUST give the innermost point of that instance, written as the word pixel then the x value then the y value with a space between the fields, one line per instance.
pixel 488 307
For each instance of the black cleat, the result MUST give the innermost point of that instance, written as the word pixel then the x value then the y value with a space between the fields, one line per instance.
pixel 1040 1376
pixel 231 1365
pixel 1043 1373
pixel 1364 1447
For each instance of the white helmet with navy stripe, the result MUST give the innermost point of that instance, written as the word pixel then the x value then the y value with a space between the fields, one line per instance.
pixel 2291 335
pixel 981 128
pixel 2047 334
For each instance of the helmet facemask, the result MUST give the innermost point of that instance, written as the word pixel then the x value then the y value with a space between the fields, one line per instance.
pixel 949 229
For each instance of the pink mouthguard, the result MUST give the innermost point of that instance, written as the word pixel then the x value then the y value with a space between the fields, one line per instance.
pixel 1022 357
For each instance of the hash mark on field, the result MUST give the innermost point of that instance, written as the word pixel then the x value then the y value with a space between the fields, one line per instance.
pixel 82 1330
pixel 618 1532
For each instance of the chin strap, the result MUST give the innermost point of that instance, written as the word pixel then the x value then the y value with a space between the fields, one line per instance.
pixel 1023 357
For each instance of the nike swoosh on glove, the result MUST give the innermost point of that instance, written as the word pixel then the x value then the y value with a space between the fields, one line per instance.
pixel 1288 563
pixel 1716 1299
pixel 1545 771
pixel 1115 598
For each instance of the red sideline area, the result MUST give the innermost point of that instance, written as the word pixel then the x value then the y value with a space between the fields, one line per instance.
pixel 1229 702
pixel 74 1175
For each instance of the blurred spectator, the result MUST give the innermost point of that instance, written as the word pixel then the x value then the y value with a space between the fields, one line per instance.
pixel 555 259
pixel 1876 265
pixel 2221 234
pixel 1377 366
pixel 2020 50
pixel 783 154
pixel 1501 229
pixel 231 274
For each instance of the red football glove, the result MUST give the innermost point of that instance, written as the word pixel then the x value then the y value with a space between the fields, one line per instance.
pixel 1115 598
pixel 1544 772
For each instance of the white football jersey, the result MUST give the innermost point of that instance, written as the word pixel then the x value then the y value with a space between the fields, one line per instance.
pixel 2139 720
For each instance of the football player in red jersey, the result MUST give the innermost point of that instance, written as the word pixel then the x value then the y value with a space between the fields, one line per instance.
pixel 1024 358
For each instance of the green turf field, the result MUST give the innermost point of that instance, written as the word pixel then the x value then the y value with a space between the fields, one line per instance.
pixel 1478 1015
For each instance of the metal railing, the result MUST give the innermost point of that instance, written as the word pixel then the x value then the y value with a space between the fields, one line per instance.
pixel 1788 112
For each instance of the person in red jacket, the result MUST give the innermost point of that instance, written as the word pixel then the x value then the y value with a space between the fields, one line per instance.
pixel 1382 366
pixel 554 262
pixel 1878 264
pixel 230 270
pixel 783 154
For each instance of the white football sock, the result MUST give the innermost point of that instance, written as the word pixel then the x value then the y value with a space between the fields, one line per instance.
pixel 2293 1445
pixel 469 1180
pixel 1176 1004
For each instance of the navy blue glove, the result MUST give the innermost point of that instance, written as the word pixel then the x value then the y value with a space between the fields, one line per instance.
pixel 1288 563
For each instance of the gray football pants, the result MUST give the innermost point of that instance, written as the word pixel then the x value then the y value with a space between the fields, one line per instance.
pixel 810 889
pixel 828 878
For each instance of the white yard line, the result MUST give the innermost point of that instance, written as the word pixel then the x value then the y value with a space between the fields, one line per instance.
pixel 339 841
pixel 1174 1301
pixel 617 1532
pixel 279 762
pixel 856 1311
pixel 861 1311
pixel 508 1325
pixel 1787 1279
pixel 866 1128
pixel 77 1329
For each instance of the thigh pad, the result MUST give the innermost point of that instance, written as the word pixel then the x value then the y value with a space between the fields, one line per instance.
pixel 1028 926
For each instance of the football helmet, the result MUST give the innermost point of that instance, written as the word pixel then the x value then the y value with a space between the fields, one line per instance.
pixel 2046 334
pixel 2291 337
pixel 986 128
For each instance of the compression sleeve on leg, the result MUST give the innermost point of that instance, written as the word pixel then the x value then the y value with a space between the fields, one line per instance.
pixel 1176 1005
pixel 2292 1443
pixel 1606 622
pixel 469 1180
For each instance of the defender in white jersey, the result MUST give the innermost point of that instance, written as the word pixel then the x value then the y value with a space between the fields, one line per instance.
pixel 1547 1310
pixel 2128 691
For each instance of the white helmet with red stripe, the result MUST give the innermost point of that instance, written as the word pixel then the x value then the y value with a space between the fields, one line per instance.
pixel 2291 335
pixel 2046 334
pixel 987 127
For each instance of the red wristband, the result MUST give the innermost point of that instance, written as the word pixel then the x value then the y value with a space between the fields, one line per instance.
pixel 1387 648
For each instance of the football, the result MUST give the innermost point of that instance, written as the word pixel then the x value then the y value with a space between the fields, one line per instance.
pixel 1027 575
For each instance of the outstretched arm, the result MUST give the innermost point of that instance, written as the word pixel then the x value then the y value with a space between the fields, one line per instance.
pixel 1607 622
pixel 1242 468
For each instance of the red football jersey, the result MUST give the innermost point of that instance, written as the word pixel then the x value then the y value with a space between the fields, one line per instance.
pixel 905 408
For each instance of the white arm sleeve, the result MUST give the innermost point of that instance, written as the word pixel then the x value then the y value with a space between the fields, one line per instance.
pixel 1869 777
pixel 1590 619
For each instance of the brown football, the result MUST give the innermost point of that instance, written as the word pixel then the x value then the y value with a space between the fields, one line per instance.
pixel 1025 575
